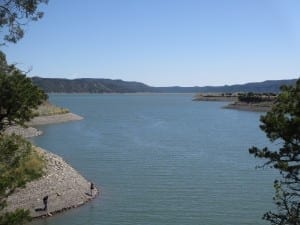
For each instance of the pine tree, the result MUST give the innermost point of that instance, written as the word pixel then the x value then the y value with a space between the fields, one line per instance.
pixel 282 125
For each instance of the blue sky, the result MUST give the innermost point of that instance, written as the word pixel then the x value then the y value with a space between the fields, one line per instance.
pixel 164 42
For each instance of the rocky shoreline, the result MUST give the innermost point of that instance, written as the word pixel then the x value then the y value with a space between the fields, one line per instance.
pixel 63 185
pixel 249 107
pixel 30 131
pixel 26 132
pixel 214 98
pixel 59 118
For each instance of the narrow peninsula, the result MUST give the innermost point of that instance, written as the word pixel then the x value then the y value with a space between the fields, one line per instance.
pixel 258 102
pixel 65 187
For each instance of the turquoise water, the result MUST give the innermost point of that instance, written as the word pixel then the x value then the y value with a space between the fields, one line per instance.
pixel 161 160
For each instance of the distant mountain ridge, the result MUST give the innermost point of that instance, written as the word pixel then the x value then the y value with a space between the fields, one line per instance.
pixel 89 85
pixel 94 85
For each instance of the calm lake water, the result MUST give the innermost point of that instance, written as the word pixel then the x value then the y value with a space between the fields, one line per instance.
pixel 162 160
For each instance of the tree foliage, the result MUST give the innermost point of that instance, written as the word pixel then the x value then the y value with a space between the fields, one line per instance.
pixel 18 96
pixel 18 162
pixel 282 124
pixel 251 97
pixel 18 165
pixel 19 217
pixel 15 14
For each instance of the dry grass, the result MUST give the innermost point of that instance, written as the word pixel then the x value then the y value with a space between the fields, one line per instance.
pixel 48 109
pixel 33 165
pixel 20 162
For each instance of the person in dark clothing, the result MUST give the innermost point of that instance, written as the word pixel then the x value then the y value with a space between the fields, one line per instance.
pixel 45 201
pixel 92 188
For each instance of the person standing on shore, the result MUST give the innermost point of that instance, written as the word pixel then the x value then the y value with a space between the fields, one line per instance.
pixel 92 188
pixel 45 201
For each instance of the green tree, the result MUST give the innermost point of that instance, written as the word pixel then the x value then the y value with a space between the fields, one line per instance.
pixel 18 161
pixel 282 125
pixel 18 96
pixel 15 14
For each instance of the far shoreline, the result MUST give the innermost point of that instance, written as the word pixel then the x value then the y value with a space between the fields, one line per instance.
pixel 233 102
pixel 248 107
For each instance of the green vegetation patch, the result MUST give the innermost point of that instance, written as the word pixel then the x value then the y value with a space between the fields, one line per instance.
pixel 251 97
pixel 19 164
pixel 282 126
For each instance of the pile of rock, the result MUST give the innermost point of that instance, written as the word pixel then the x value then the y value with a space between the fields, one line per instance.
pixel 23 131
pixel 63 185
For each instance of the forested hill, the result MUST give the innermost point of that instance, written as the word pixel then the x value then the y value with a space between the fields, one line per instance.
pixel 91 85
pixel 259 87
